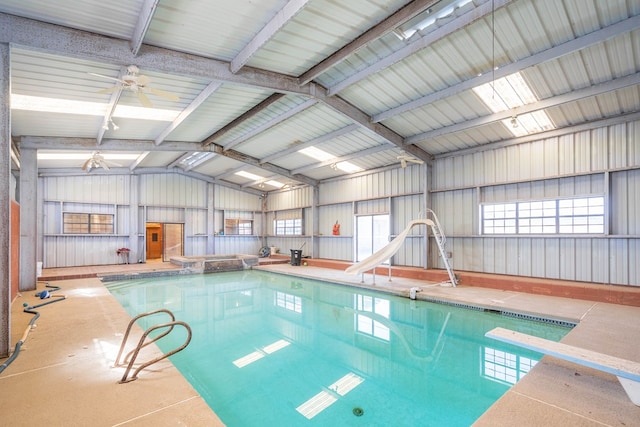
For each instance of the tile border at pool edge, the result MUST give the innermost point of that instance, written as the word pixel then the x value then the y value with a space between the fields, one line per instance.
pixel 401 292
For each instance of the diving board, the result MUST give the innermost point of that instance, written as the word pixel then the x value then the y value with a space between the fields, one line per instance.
pixel 627 371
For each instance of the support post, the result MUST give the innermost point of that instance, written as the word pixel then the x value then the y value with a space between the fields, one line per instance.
pixel 28 219
pixel 5 201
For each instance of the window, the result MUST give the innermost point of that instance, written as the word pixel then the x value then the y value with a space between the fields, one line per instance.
pixel 288 226
pixel 581 215
pixel 561 216
pixel 499 219
pixel 85 223
pixel 288 301
pixel 238 226
pixel 505 367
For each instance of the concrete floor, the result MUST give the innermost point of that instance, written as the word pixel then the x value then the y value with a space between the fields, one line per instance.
pixel 63 375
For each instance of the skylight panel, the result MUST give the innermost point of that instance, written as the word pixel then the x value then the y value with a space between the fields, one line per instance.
pixel 84 156
pixel 511 92
pixel 317 153
pixel 255 177
pixel 348 167
pixel 322 156
pixel 249 175
pixel 66 106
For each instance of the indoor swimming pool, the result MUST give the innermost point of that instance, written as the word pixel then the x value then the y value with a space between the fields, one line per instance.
pixel 271 349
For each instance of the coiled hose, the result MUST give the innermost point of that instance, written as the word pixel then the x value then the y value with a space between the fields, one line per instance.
pixel 30 309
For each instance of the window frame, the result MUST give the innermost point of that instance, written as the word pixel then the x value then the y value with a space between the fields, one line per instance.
pixel 585 215
pixel 288 226
pixel 74 223
pixel 238 227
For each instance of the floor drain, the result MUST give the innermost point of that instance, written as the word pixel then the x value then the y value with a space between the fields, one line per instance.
pixel 358 412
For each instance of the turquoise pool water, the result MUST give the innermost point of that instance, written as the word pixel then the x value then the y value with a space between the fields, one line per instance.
pixel 275 350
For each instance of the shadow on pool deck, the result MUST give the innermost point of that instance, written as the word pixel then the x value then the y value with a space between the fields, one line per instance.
pixel 63 375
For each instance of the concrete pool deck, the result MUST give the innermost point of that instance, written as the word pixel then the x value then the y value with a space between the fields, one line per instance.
pixel 64 375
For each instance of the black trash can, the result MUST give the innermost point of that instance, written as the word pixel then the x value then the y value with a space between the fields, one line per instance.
pixel 296 256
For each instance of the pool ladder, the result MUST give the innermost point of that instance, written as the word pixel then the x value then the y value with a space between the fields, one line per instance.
pixel 133 354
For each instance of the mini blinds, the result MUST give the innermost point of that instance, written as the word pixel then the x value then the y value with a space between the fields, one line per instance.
pixel 87 223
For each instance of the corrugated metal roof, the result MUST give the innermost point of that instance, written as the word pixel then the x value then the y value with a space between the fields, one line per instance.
pixel 580 58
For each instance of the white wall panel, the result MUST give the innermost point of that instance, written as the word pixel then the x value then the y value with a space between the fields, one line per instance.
pixel 328 215
pixel 65 251
pixel 378 184
pixel 295 198
pixel 228 198
pixel 372 207
pixel 172 190
pixel 160 214
pixel 237 245
pixel 111 189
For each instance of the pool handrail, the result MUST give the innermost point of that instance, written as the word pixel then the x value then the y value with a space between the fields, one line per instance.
pixel 141 343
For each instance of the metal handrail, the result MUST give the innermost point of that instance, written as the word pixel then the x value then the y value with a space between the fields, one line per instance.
pixel 141 343
pixel 134 320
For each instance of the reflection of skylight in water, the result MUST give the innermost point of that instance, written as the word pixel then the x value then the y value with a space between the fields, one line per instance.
pixel 326 398
pixel 65 106
pixel 259 354
pixel 511 92
pixel 505 367
pixel 255 177
pixel 288 301
pixel 366 324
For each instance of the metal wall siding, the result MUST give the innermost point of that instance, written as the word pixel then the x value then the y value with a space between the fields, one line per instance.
pixel 172 190
pixel 166 214
pixel 109 189
pixel 328 215
pixel 402 181
pixel 228 198
pixel 295 198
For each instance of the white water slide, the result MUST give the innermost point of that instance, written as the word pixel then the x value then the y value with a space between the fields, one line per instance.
pixel 371 262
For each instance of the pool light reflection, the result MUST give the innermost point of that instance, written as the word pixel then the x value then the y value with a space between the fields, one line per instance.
pixel 326 398
pixel 259 354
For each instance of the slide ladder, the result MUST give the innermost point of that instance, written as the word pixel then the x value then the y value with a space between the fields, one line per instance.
pixel 440 239
pixel 379 257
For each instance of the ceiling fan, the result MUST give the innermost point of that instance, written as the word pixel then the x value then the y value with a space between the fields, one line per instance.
pixel 96 161
pixel 138 84
pixel 405 159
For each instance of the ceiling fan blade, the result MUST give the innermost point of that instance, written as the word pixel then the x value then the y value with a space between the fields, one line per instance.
pixel 107 77
pixel 112 164
pixel 85 165
pixel 104 165
pixel 163 94
pixel 144 100
pixel 111 89
pixel 141 80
